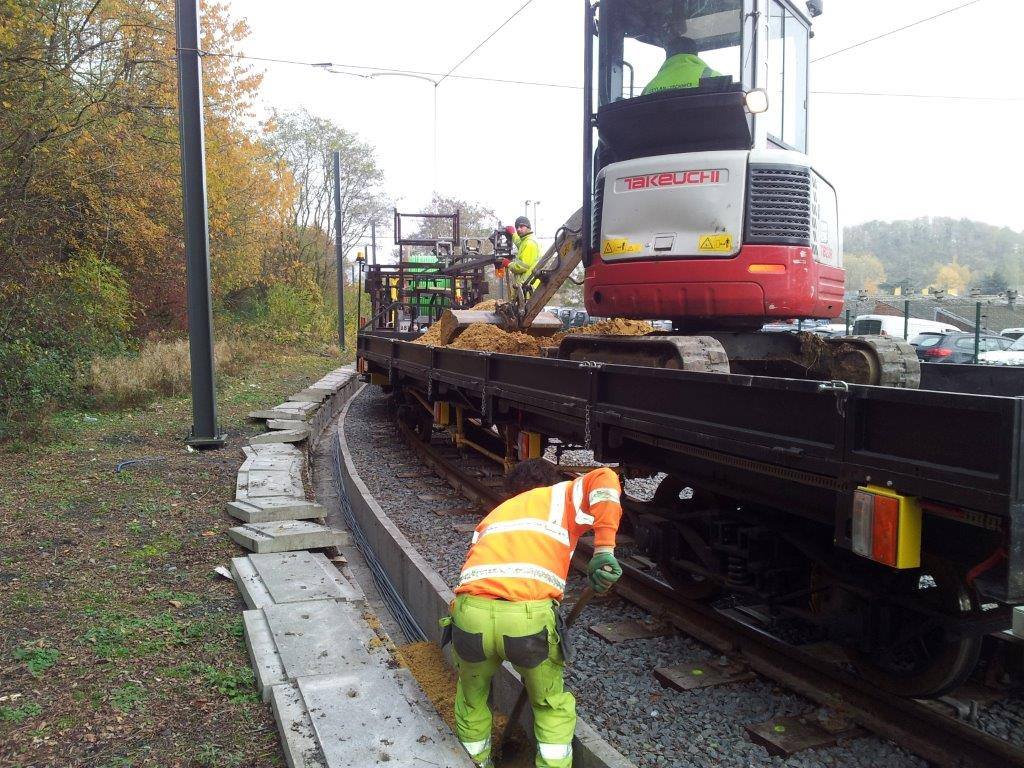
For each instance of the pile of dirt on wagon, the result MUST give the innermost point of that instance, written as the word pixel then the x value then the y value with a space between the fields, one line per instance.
pixel 432 337
pixel 490 338
pixel 487 305
pixel 616 326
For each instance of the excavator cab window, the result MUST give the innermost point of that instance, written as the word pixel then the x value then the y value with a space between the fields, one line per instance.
pixel 662 45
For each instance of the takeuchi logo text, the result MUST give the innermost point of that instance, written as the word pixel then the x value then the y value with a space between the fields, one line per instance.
pixel 674 179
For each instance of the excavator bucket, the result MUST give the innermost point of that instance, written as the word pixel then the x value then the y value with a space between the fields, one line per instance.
pixel 454 322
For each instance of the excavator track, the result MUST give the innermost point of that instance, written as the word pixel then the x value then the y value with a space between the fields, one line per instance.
pixel 874 360
pixel 893 363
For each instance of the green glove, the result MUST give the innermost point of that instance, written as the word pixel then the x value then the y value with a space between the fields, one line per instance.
pixel 603 571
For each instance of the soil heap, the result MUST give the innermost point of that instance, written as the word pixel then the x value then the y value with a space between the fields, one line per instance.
pixel 490 338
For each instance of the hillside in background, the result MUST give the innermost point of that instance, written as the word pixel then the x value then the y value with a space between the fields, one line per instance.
pixel 957 254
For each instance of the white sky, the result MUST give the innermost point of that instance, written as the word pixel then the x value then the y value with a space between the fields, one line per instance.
pixel 501 144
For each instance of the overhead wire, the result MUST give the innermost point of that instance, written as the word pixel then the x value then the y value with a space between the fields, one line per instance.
pixel 894 31
pixel 484 41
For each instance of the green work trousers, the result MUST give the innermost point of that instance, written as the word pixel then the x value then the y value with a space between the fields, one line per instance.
pixel 487 632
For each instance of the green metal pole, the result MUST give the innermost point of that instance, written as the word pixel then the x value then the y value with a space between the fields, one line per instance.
pixel 977 330
pixel 906 320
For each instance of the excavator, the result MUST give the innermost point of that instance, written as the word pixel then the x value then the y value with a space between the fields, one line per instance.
pixel 701 205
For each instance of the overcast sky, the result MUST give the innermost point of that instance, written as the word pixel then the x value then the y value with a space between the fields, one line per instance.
pixel 500 144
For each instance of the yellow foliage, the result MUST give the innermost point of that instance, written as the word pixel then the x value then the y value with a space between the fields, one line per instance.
pixel 955 278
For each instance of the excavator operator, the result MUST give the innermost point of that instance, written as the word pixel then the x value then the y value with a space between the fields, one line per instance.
pixel 683 68
pixel 506 601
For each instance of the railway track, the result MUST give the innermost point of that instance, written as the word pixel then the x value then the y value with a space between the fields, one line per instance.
pixel 920 727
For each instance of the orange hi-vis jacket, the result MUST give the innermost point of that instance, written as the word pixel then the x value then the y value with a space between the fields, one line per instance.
pixel 521 551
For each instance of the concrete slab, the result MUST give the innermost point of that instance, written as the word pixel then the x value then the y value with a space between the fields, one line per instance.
pixel 250 586
pixel 1018 621
pixel 266 662
pixel 281 436
pixel 285 424
pixel 272 449
pixel 365 718
pixel 623 631
pixel 320 638
pixel 294 577
pixel 298 740
pixel 270 475
pixel 275 508
pixel 311 395
pixel 287 410
pixel 286 536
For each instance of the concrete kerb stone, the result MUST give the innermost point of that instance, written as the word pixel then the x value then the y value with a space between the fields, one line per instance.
pixel 427 598
pixel 281 436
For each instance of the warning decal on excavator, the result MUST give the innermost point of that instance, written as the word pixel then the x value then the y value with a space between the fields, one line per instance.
pixel 717 243
pixel 613 245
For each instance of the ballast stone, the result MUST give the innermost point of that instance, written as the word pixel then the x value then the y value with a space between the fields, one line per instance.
pixel 287 536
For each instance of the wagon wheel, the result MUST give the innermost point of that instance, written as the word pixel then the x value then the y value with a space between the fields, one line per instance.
pixel 672 492
pixel 926 663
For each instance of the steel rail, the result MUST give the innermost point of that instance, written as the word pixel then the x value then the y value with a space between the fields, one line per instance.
pixel 940 739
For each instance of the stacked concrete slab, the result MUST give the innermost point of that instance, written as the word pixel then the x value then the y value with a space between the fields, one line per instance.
pixel 326 673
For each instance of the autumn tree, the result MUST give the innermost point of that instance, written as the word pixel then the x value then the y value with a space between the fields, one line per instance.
pixel 863 271
pixel 952 277
pixel 303 145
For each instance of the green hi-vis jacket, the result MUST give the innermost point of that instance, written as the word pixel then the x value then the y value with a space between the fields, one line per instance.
pixel 527 257
pixel 684 70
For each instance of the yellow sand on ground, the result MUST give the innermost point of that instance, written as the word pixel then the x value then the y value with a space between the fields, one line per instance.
pixel 428 665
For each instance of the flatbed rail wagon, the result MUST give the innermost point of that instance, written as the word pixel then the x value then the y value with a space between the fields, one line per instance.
pixel 889 519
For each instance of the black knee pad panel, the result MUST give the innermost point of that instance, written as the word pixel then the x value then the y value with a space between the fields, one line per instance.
pixel 529 651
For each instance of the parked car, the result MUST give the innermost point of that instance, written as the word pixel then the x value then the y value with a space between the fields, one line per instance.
pixel 1012 355
pixel 955 347
pixel 1013 333
pixel 892 325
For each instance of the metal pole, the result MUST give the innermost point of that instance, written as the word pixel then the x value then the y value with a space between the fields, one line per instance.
pixel 373 239
pixel 339 253
pixel 435 139
pixel 906 320
pixel 588 130
pixel 197 239
pixel 977 329
pixel 359 298
pixel 847 322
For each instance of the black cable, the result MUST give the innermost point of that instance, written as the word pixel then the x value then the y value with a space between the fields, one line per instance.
pixel 484 41
pixel 893 31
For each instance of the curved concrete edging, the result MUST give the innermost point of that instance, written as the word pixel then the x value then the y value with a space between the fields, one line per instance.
pixel 427 598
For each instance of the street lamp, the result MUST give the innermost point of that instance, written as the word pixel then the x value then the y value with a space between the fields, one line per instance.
pixel 434 83
pixel 526 208
pixel 536 219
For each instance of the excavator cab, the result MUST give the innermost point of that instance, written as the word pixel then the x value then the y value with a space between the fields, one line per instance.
pixel 701 205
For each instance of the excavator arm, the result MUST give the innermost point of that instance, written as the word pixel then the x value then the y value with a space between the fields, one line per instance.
pixel 524 312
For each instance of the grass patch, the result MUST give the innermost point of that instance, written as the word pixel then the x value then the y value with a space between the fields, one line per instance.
pixel 38 659
pixel 160 368
pixel 236 683
pixel 20 714
pixel 128 697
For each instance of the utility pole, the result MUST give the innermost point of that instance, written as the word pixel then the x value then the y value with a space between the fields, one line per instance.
pixel 526 208
pixel 197 238
pixel 373 240
pixel 339 252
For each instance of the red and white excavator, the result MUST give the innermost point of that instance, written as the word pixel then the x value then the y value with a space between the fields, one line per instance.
pixel 700 203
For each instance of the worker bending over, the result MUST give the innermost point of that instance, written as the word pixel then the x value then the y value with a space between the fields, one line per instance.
pixel 508 594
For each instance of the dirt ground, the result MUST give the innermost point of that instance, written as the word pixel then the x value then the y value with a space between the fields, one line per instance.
pixel 119 645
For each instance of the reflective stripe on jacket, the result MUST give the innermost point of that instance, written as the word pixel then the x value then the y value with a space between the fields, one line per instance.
pixel 528 254
pixel 521 551
pixel 684 70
